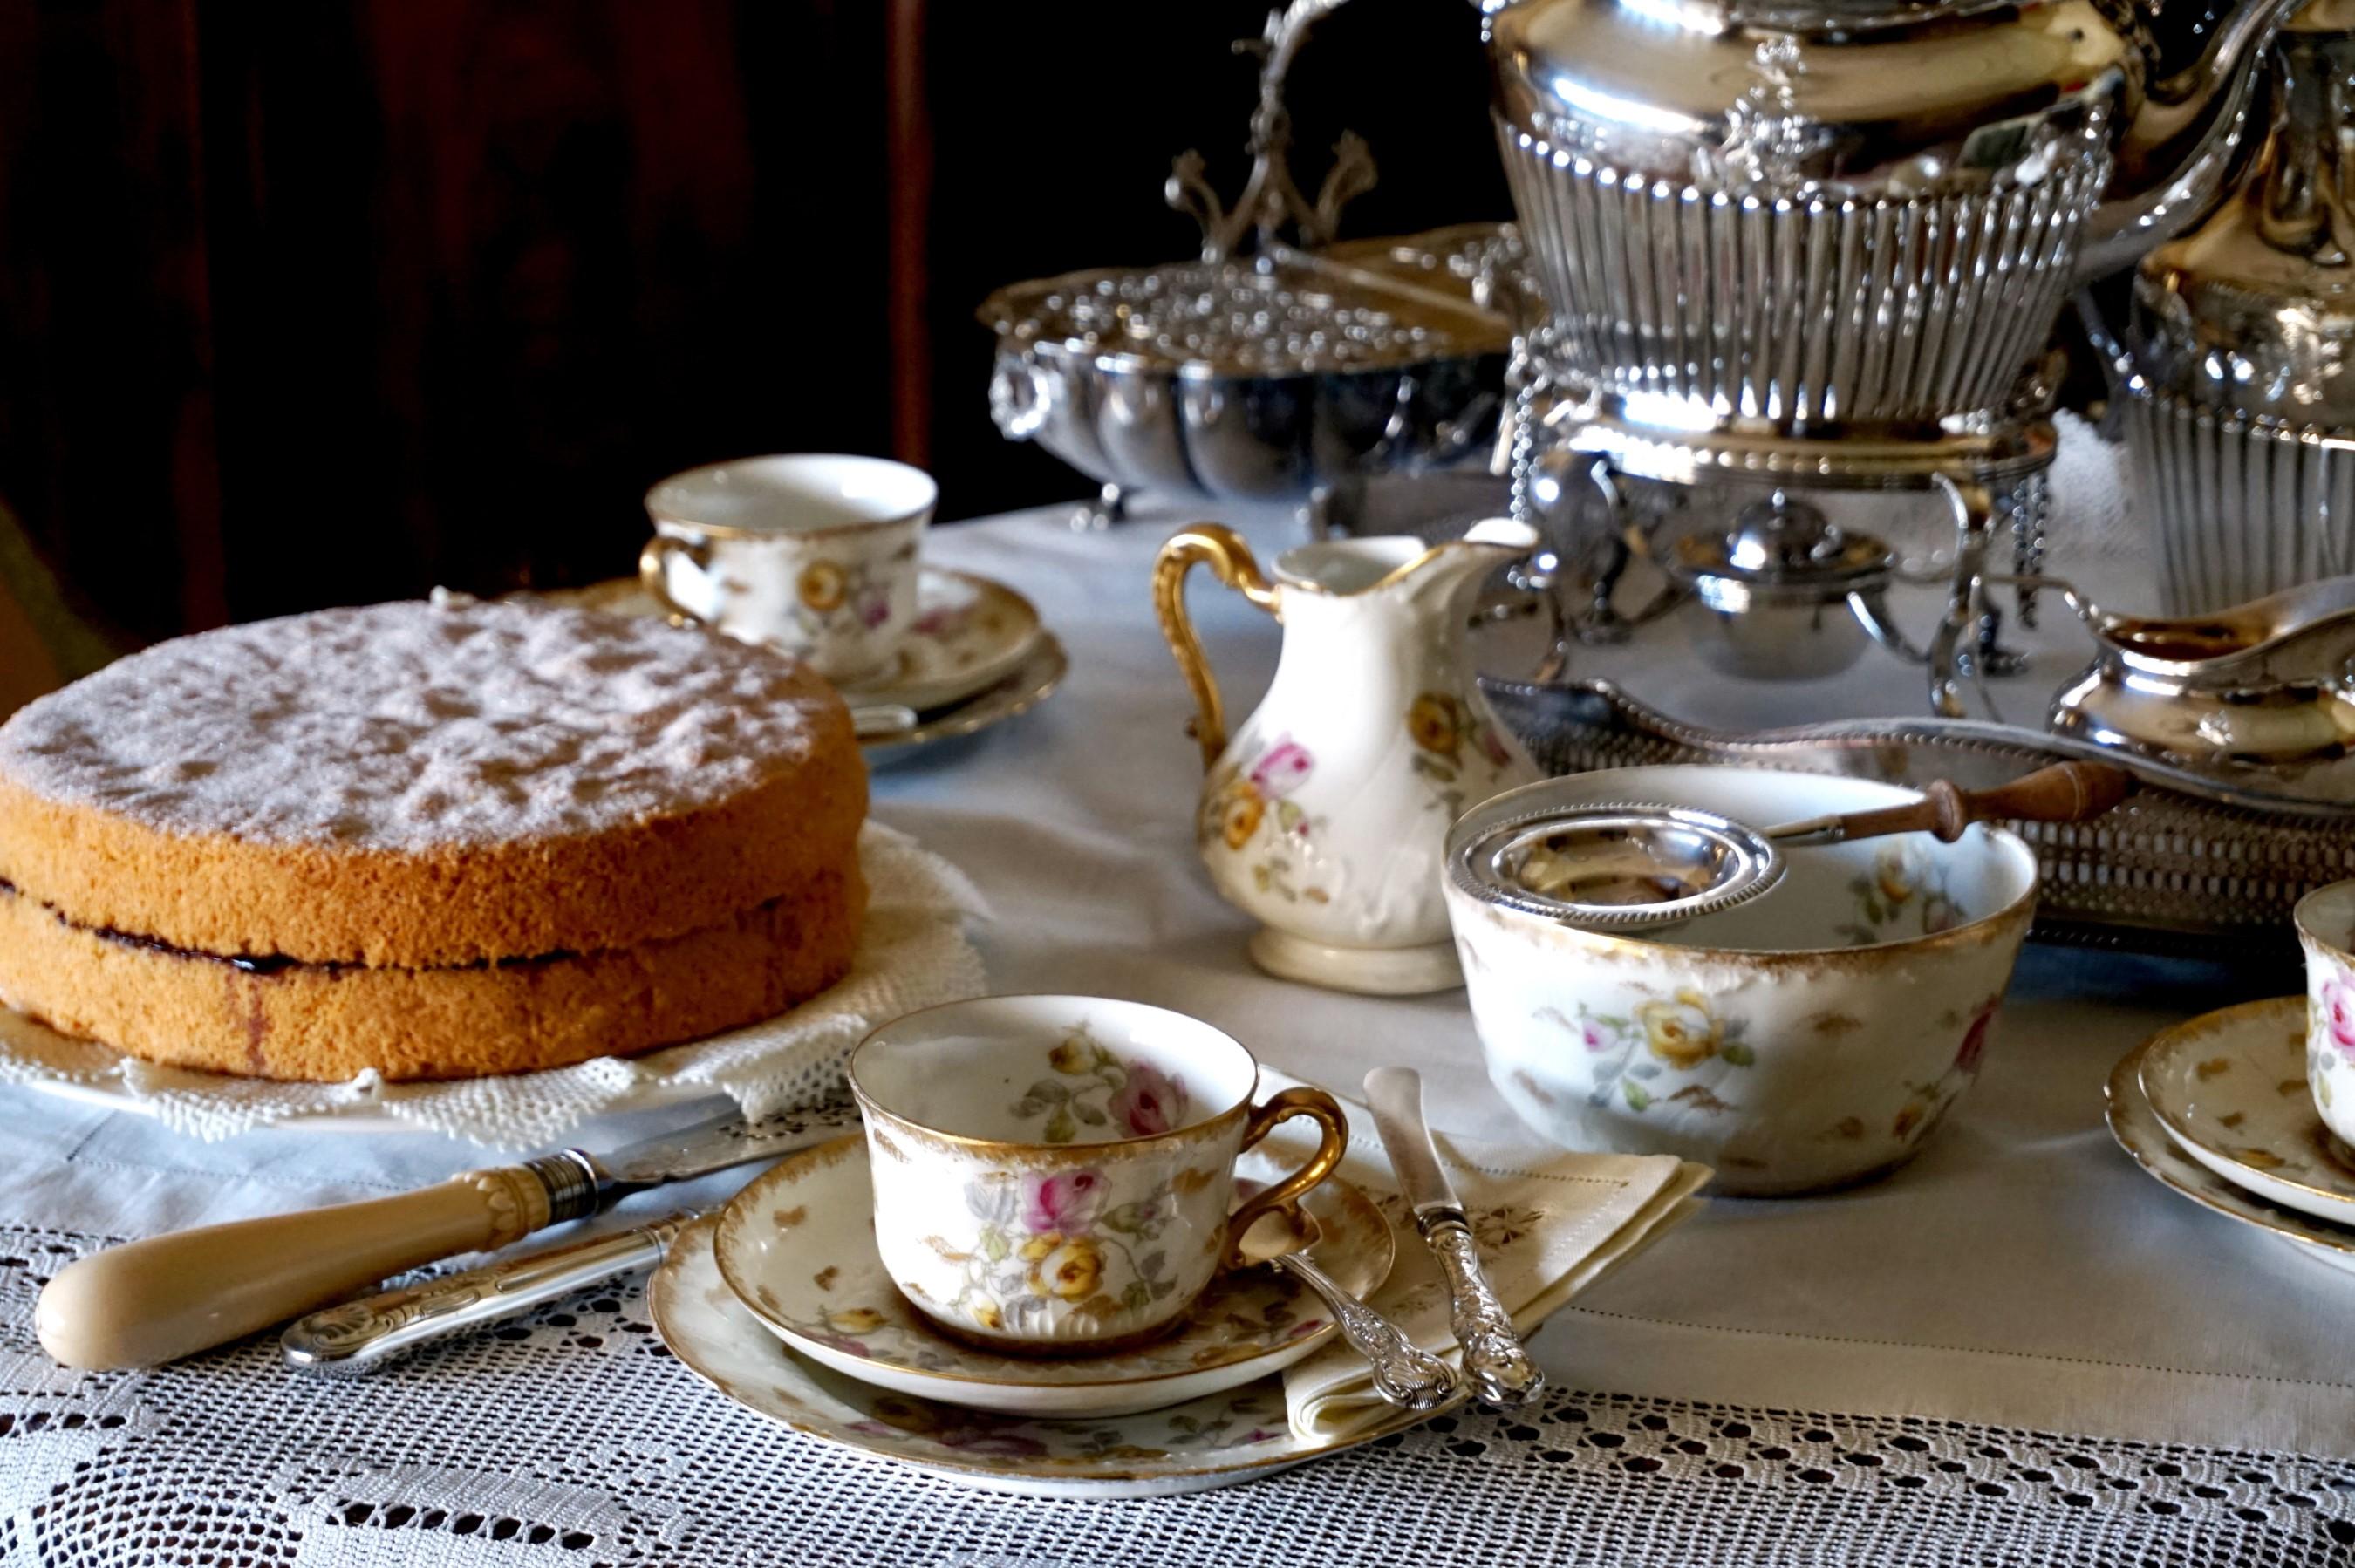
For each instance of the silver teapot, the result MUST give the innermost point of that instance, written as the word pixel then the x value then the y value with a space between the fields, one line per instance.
pixel 2236 382
pixel 1827 218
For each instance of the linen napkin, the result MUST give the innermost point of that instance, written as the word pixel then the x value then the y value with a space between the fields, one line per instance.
pixel 1549 1222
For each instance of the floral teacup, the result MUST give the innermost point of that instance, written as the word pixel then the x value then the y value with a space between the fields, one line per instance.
pixel 813 553
pixel 1056 1173
pixel 2326 929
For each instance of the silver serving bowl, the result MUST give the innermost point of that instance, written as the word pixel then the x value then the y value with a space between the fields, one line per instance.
pixel 1260 380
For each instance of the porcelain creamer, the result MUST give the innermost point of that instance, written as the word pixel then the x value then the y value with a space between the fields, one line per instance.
pixel 1325 815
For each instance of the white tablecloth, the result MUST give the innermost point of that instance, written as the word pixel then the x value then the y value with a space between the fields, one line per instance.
pixel 2023 1271
pixel 2021 1275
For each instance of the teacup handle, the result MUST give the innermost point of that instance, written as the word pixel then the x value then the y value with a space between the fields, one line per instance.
pixel 654 562
pixel 1282 1107
pixel 1229 559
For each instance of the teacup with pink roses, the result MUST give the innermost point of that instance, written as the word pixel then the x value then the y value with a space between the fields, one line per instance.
pixel 2326 929
pixel 1056 1173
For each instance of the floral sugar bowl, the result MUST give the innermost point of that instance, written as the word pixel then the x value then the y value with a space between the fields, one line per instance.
pixel 1325 815
pixel 1810 1038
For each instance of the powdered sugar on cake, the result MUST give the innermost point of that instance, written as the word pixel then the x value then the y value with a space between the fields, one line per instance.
pixel 409 725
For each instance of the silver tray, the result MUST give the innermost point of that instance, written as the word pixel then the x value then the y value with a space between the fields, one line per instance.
pixel 2186 868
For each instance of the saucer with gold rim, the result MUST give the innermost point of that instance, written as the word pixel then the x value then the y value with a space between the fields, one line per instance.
pixel 2140 1133
pixel 971 632
pixel 1218 1440
pixel 2230 1089
pixel 797 1246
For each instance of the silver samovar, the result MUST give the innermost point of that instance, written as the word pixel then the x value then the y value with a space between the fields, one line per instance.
pixel 1809 245
pixel 2235 383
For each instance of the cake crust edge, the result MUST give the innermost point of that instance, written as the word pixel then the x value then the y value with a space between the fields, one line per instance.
pixel 660 877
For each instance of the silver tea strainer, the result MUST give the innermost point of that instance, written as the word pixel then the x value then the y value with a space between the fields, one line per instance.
pixel 1640 867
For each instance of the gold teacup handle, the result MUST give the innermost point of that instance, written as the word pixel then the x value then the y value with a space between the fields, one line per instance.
pixel 1282 1107
pixel 653 561
pixel 1224 552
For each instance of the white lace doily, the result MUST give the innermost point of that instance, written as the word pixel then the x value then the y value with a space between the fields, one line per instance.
pixel 571 1438
pixel 911 953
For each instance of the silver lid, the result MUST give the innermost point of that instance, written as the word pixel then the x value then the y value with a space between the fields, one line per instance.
pixel 1779 97
pixel 1780 541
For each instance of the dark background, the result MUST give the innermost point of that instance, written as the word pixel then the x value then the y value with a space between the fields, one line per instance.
pixel 332 302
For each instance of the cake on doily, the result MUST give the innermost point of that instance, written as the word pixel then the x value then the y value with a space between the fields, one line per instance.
pixel 437 839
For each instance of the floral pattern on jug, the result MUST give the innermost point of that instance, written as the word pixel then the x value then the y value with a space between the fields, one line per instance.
pixel 1324 815
pixel 1248 811
pixel 1457 749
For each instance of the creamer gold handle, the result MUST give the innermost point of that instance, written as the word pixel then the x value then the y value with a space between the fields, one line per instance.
pixel 1230 560
pixel 1332 1143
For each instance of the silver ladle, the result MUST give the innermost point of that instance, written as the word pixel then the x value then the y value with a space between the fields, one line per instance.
pixel 1645 866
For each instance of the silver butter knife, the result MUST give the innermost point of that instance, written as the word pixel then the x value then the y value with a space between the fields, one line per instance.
pixel 155 1300
pixel 361 1336
pixel 1495 1359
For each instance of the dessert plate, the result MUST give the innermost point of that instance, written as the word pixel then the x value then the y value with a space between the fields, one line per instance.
pixel 2139 1131
pixel 971 633
pixel 1218 1440
pixel 797 1247
pixel 2229 1088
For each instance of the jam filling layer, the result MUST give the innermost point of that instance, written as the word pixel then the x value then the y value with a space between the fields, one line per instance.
pixel 265 964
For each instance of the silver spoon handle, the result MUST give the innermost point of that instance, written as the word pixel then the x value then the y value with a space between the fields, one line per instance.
pixel 360 1335
pixel 1404 1373
pixel 1500 1365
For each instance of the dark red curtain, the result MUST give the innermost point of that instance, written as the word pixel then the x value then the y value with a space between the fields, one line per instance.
pixel 303 304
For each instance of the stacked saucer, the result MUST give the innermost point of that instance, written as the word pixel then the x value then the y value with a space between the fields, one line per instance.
pixel 797 1247
pixel 2220 1110
pixel 782 1304
pixel 975 655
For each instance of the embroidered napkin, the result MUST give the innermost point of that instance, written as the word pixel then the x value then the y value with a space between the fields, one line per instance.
pixel 1548 1224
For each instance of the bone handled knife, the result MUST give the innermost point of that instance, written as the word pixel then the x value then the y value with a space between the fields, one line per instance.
pixel 1495 1361
pixel 151 1301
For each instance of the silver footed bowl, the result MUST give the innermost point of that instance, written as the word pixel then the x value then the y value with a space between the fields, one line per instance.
pixel 1262 380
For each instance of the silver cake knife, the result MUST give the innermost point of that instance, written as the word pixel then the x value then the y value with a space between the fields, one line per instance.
pixel 1497 1363
pixel 155 1300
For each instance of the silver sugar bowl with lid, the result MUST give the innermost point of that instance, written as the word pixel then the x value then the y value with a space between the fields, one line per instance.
pixel 1787 594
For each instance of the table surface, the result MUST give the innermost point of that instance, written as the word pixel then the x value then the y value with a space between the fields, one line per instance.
pixel 2020 1342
